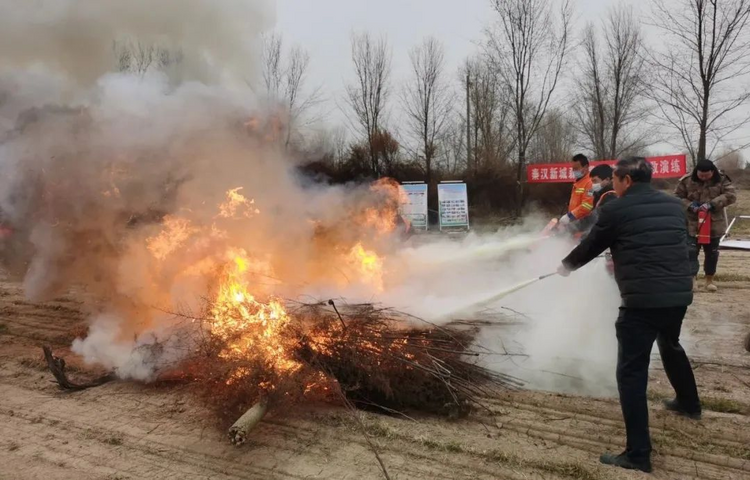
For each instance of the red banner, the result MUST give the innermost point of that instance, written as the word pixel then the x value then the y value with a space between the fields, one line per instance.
pixel 668 166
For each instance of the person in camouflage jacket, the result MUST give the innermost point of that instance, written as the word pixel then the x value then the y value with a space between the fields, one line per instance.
pixel 710 190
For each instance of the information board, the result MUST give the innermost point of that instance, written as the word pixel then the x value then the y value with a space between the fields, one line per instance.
pixel 453 204
pixel 413 204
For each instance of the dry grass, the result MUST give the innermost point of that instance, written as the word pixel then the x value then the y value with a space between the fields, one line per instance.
pixel 564 469
pixel 724 405
pixel 742 207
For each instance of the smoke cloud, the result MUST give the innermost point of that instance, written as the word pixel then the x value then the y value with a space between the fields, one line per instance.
pixel 557 334
pixel 112 179
pixel 76 37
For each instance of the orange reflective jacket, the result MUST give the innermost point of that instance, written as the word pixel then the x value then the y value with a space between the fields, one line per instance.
pixel 581 199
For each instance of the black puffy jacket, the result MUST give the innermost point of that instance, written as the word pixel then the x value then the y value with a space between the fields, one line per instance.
pixel 647 235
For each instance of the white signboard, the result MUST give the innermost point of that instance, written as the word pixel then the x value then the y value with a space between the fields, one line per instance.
pixel 414 204
pixel 453 202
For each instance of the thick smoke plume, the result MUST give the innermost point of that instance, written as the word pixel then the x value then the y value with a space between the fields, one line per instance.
pixel 219 39
pixel 116 183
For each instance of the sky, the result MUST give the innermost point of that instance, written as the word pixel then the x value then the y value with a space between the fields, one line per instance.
pixel 324 28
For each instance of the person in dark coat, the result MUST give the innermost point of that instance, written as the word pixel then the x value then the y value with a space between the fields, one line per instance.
pixel 709 190
pixel 647 234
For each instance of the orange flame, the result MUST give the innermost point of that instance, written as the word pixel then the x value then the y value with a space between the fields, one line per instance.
pixel 369 265
pixel 237 204
pixel 174 234
pixel 248 326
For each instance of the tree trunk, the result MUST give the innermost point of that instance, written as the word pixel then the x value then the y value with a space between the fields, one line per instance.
pixel 520 196
pixel 703 125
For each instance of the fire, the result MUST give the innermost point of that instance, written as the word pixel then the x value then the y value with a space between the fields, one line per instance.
pixel 368 263
pixel 250 327
pixel 251 324
pixel 383 222
pixel 237 205
pixel 175 232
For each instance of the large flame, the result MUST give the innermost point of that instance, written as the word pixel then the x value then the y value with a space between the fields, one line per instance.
pixel 248 326
pixel 368 264
pixel 244 314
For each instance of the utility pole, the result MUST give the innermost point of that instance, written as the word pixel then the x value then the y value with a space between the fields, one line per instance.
pixel 469 164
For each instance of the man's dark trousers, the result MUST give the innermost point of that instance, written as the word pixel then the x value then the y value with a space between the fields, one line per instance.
pixel 636 331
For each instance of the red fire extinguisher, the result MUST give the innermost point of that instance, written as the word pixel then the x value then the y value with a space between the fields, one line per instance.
pixel 704 227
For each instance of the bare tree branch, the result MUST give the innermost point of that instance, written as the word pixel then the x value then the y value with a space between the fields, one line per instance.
pixel 528 48
pixel 285 80
pixel 427 101
pixel 703 69
pixel 610 105
pixel 368 95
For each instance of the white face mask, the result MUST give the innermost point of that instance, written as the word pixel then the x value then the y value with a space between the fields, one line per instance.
pixel 578 174
pixel 597 187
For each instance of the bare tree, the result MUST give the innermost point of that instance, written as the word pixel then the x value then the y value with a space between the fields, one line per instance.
pixel 427 101
pixel 138 57
pixel 368 96
pixel 702 69
pixel 610 103
pixel 285 81
pixel 452 157
pixel 491 138
pixel 272 66
pixel 554 140
pixel 528 47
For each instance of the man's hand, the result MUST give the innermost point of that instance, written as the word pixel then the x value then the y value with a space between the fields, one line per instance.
pixel 694 207
pixel 564 220
pixel 563 271
pixel 706 207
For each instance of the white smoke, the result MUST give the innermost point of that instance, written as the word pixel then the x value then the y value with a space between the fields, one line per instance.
pixel 562 335
pixel 218 38
pixel 89 154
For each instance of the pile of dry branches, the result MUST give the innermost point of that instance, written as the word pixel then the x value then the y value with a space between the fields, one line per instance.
pixel 382 359
pixel 359 355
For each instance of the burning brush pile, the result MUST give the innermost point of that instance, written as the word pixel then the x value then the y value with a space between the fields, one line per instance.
pixel 252 349
pixel 259 355
pixel 256 350
pixel 113 184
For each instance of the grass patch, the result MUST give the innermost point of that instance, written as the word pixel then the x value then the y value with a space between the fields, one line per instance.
pixel 379 430
pixel 731 277
pixel 115 440
pixel 573 470
pixel 34 363
pixel 3 328
pixel 450 447
pixel 656 397
pixel 563 469
pixel 723 405
pixel 702 441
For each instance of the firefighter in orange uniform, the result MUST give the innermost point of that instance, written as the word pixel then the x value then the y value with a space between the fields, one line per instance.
pixel 582 197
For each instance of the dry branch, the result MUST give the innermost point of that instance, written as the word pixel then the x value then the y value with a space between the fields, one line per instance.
pixel 57 367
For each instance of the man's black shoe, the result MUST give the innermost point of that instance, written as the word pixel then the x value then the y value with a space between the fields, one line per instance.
pixel 623 461
pixel 675 407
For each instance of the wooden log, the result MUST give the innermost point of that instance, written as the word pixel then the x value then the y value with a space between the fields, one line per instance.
pixel 239 432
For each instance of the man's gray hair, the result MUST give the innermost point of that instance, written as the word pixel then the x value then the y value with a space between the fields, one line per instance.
pixel 638 168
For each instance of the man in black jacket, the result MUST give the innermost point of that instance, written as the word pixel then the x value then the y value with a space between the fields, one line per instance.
pixel 647 235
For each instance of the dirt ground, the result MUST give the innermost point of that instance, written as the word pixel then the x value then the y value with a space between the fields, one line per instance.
pixel 130 431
